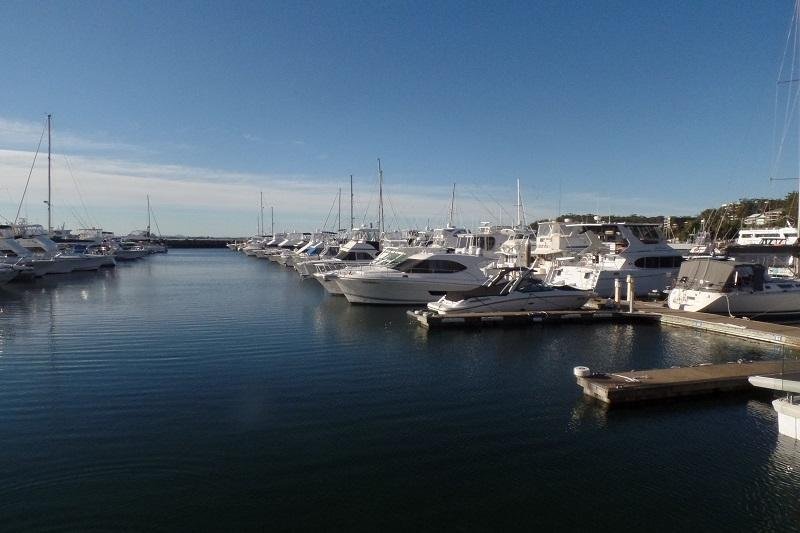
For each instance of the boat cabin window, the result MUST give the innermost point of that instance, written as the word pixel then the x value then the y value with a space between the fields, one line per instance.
pixel 485 243
pixel 646 233
pixel 669 261
pixel 430 266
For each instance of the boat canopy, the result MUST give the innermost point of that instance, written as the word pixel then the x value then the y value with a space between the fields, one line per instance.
pixel 720 276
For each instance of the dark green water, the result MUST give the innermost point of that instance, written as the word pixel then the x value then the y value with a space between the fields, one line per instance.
pixel 204 390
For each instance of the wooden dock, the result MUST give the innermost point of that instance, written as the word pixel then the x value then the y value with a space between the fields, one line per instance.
pixel 666 383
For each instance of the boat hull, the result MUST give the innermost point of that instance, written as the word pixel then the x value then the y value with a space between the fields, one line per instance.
pixel 399 290
pixel 555 300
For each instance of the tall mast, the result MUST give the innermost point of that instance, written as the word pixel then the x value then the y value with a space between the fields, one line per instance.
pixel 380 199
pixel 148 215
pixel 519 206
pixel 452 207
pixel 49 191
pixel 272 221
pixel 262 212
pixel 352 219
pixel 339 222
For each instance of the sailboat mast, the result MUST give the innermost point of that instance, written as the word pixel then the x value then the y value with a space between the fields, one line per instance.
pixel 519 206
pixel 380 199
pixel 352 219
pixel 49 190
pixel 262 212
pixel 339 222
pixel 272 220
pixel 148 215
pixel 452 207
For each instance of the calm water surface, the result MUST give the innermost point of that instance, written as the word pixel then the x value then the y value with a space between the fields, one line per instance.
pixel 204 390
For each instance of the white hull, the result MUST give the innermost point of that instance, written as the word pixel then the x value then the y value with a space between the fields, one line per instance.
pixel 330 282
pixel 129 255
pixel 602 282
pixel 397 290
pixel 738 303
pixel 555 300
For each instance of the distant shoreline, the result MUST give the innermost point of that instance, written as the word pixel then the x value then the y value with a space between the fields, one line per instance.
pixel 200 242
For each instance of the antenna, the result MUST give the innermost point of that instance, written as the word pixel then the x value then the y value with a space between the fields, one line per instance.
pixel 352 220
pixel 49 190
pixel 380 199
pixel 558 214
pixel 452 207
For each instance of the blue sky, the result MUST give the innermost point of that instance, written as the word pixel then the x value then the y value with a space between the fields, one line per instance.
pixel 648 107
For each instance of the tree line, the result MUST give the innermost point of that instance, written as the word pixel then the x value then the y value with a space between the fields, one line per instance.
pixel 720 223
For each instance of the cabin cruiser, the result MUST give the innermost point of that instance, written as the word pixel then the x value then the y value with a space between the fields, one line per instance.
pixel 506 292
pixel 262 247
pixel 13 253
pixel 128 251
pixel 421 278
pixel 41 247
pixel 327 273
pixel 515 251
pixel 291 242
pixel 351 254
pixel 728 287
pixel 555 240
pixel 306 266
pixel 767 236
pixel 636 250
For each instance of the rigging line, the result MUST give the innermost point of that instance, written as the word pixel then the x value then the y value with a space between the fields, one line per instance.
pixel 155 221
pixel 80 194
pixel 35 155
pixel 325 224
pixel 502 209
pixel 480 202
pixel 394 212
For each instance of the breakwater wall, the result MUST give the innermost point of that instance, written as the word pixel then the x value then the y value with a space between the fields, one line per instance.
pixel 199 242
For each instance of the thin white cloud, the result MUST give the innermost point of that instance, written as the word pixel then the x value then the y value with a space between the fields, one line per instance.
pixel 303 202
pixel 26 135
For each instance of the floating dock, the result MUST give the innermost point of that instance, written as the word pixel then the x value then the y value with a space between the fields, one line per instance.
pixel 742 328
pixel 430 320
pixel 667 383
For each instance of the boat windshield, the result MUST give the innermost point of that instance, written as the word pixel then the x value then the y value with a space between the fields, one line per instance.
pixel 389 258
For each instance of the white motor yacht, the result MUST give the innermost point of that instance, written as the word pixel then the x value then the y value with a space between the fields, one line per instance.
pixel 556 240
pixel 636 250
pixel 12 252
pixel 129 251
pixel 731 288
pixel 421 278
pixel 42 247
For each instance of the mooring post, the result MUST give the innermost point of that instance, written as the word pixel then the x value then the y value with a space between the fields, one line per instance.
pixel 617 290
pixel 630 293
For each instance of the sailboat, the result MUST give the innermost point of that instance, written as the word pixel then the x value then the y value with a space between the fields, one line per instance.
pixel 144 238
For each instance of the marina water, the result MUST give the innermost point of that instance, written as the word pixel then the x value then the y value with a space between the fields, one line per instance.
pixel 207 390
